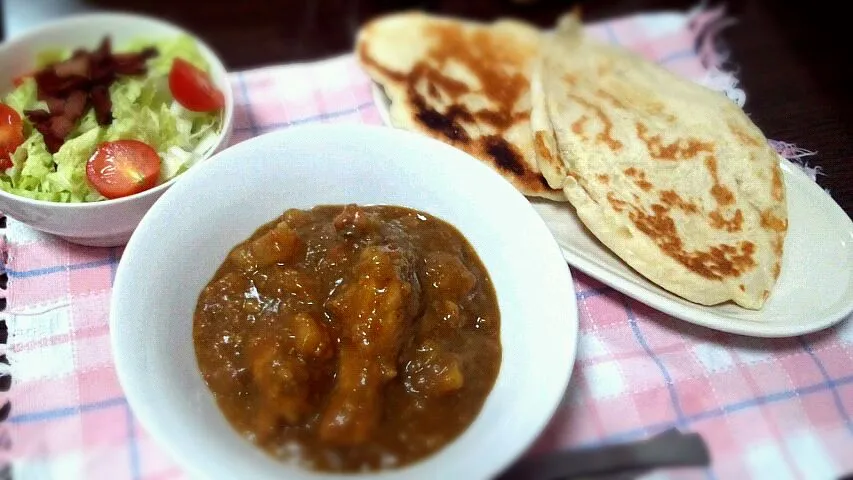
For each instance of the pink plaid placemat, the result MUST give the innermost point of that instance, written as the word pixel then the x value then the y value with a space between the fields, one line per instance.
pixel 767 408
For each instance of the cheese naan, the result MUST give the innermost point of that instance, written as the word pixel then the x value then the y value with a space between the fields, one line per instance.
pixel 671 176
pixel 464 83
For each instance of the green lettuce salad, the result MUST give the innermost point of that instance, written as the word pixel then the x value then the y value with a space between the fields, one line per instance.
pixel 143 109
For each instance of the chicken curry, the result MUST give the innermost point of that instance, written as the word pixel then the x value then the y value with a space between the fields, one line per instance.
pixel 350 338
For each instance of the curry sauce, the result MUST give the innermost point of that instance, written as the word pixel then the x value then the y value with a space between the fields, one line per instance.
pixel 350 338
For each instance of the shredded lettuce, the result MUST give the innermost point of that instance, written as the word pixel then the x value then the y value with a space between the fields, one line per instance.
pixel 24 97
pixel 51 55
pixel 182 46
pixel 143 109
pixel 70 174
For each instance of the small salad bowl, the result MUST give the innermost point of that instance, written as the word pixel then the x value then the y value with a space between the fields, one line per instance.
pixel 107 222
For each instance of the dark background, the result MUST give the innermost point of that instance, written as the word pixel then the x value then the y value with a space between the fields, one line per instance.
pixel 794 59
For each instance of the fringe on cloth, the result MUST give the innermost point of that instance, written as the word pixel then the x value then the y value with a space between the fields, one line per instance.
pixel 707 24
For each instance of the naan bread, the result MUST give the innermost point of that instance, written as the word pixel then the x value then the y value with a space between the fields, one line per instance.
pixel 548 158
pixel 464 83
pixel 672 177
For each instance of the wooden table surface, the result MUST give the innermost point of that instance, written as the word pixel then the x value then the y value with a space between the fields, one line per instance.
pixel 793 58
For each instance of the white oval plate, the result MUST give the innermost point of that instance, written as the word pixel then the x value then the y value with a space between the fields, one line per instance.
pixel 814 290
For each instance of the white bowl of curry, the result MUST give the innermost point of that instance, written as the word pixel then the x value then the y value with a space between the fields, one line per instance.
pixel 339 300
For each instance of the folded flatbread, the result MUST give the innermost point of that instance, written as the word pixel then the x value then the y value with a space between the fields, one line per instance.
pixel 672 177
pixel 464 83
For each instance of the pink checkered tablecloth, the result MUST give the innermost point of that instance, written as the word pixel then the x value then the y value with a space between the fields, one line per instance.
pixel 771 409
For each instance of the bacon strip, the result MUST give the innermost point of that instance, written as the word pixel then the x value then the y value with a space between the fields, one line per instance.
pixel 72 86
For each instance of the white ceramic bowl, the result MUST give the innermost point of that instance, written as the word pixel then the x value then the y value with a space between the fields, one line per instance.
pixel 110 222
pixel 221 202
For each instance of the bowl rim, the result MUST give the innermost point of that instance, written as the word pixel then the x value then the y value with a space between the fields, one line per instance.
pixel 498 465
pixel 85 18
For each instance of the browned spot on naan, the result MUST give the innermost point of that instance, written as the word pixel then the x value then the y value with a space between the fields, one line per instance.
pixel 741 287
pixel 644 185
pixel 770 221
pixel 723 197
pixel 777 187
pixel 448 124
pixel 541 147
pixel 432 90
pixel 657 109
pixel 578 126
pixel 505 156
pixel 672 199
pixel 681 149
pixel 618 205
pixel 742 135
pixel 711 165
pixel 500 119
pixel 721 194
pixel 639 178
pixel 605 136
pixel 604 178
pixel 435 80
pixel 734 224
pixel 716 263
pixel 777 244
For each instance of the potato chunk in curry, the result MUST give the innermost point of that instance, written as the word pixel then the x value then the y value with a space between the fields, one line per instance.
pixel 356 334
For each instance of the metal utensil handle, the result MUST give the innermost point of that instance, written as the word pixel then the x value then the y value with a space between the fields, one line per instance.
pixel 668 449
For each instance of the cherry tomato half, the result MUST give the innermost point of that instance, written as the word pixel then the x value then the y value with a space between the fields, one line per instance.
pixel 11 134
pixel 123 167
pixel 193 88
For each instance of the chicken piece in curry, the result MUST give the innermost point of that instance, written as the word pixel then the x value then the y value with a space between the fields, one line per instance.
pixel 350 338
